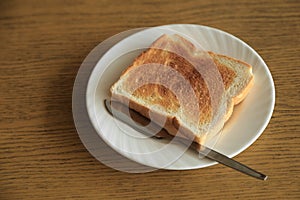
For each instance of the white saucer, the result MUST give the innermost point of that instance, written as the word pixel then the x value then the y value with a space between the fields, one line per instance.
pixel 247 123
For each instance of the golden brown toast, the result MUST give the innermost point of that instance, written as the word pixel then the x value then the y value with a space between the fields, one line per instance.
pixel 188 91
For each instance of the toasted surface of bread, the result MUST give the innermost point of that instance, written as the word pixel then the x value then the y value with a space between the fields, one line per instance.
pixel 187 90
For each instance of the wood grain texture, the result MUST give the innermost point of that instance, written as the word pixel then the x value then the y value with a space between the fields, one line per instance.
pixel 42 46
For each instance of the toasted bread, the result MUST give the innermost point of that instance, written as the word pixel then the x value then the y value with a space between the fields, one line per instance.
pixel 190 92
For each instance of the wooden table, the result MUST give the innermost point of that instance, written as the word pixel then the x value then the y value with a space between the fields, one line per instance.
pixel 43 44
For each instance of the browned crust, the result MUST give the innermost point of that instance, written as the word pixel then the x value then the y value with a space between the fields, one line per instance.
pixel 237 99
pixel 231 58
pixel 240 97
pixel 243 93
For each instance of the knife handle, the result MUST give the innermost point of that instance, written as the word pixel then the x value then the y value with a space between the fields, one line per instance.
pixel 221 158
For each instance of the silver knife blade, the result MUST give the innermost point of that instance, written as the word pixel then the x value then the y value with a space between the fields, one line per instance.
pixel 201 149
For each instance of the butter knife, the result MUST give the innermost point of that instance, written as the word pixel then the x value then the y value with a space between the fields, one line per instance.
pixel 202 150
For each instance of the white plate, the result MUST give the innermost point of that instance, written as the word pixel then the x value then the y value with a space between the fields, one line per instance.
pixel 247 123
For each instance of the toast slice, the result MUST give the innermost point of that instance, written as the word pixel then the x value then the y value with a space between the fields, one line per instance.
pixel 188 91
